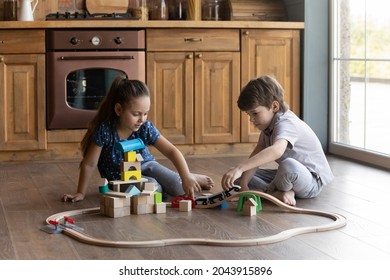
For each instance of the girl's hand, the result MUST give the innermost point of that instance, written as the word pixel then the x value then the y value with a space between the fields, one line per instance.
pixel 190 185
pixel 230 177
pixel 73 197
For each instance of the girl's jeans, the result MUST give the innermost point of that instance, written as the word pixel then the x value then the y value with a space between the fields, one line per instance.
pixel 168 181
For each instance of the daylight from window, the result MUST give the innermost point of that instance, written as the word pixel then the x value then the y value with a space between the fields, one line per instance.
pixel 361 75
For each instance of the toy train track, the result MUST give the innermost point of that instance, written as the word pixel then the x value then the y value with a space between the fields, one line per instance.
pixel 338 221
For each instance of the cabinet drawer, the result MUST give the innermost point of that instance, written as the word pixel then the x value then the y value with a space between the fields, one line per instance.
pixel 192 40
pixel 22 41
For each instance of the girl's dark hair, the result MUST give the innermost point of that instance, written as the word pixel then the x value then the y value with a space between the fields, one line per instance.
pixel 262 91
pixel 122 91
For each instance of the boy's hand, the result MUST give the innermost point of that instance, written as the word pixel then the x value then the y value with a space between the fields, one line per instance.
pixel 230 177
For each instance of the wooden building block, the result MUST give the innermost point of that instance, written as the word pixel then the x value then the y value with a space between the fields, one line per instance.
pixel 160 208
pixel 133 190
pixel 113 202
pixel 130 166
pixel 139 200
pixel 130 156
pixel 142 209
pixel 157 197
pixel 131 175
pixel 185 205
pixel 117 194
pixel 148 186
pixel 249 208
pixel 139 157
pixel 103 182
pixel 116 184
pixel 118 212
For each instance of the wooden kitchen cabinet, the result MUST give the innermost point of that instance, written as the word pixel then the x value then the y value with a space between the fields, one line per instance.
pixel 194 79
pixel 274 52
pixel 22 90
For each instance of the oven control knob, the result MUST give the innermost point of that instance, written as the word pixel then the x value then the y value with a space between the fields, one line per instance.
pixel 118 40
pixel 96 41
pixel 74 41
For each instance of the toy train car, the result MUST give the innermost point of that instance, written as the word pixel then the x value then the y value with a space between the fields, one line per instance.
pixel 215 199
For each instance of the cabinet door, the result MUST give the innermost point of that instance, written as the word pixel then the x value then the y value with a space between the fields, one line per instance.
pixel 217 85
pixel 271 52
pixel 170 80
pixel 22 102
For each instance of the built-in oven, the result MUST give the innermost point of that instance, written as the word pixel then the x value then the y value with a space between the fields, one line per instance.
pixel 81 65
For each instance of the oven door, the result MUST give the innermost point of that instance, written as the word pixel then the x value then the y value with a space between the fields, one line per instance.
pixel 78 81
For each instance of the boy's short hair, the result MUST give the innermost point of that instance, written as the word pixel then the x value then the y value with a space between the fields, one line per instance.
pixel 262 91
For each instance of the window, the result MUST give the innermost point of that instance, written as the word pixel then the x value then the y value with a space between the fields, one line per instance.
pixel 360 66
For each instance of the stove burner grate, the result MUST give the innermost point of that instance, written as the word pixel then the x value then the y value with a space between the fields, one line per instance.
pixel 88 16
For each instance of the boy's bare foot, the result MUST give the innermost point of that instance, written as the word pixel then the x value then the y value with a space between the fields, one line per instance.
pixel 287 197
pixel 205 182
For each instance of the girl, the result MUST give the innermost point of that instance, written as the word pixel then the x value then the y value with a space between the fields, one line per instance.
pixel 303 168
pixel 123 115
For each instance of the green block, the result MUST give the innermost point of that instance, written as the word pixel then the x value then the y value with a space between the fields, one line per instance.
pixel 242 198
pixel 157 197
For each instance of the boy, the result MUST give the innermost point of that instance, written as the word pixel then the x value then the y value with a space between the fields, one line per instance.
pixel 303 168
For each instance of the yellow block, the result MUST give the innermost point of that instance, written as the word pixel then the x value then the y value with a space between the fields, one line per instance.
pixel 131 175
pixel 131 156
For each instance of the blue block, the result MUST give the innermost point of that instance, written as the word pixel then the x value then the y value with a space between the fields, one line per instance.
pixel 130 145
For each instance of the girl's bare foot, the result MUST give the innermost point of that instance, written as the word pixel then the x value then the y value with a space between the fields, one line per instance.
pixel 287 197
pixel 205 182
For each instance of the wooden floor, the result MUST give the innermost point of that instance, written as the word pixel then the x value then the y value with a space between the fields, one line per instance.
pixel 30 192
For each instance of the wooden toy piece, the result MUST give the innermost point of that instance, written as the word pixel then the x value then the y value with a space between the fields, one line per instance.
pixel 116 185
pixel 115 207
pixel 176 200
pixel 139 157
pixel 118 212
pixel 157 197
pixel 103 182
pixel 133 190
pixel 130 156
pixel 185 205
pixel 130 145
pixel 130 166
pixel 160 208
pixel 117 194
pixel 244 196
pixel 131 175
pixel 148 186
pixel 142 203
pixel 103 185
pixel 249 208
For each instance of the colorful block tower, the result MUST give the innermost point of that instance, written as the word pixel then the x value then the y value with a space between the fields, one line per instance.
pixel 140 197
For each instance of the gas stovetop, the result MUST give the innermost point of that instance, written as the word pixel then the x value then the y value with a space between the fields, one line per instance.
pixel 88 16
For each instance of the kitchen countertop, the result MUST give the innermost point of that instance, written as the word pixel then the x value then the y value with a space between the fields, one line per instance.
pixel 148 24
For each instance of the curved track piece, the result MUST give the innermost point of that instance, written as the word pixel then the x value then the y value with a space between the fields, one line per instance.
pixel 338 222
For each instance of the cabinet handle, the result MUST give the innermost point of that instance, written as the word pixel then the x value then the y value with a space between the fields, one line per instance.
pixel 192 39
pixel 1 59
pixel 189 56
pixel 199 55
pixel 246 32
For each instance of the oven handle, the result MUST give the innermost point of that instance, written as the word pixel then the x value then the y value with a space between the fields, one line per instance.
pixel 96 57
